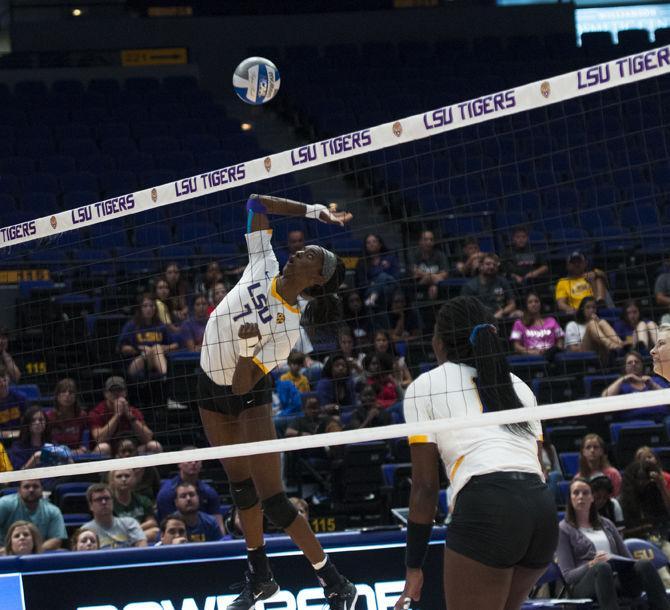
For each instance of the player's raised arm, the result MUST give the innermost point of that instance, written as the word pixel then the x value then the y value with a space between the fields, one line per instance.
pixel 258 206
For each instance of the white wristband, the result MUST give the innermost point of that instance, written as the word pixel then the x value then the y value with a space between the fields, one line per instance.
pixel 313 211
pixel 247 346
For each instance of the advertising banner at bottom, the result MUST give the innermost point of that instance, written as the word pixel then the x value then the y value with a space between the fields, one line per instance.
pixel 207 584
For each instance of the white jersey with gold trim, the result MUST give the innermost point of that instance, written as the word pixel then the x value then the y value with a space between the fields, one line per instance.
pixel 449 390
pixel 253 299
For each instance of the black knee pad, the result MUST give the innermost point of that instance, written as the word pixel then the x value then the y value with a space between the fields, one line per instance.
pixel 280 510
pixel 244 494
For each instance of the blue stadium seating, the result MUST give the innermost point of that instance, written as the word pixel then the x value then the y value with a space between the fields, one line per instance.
pixel 615 428
pixel 73 199
pixel 117 182
pixel 118 146
pixel 40 183
pixel 96 163
pixel 569 464
pixel 79 147
pixel 30 390
pixel 152 236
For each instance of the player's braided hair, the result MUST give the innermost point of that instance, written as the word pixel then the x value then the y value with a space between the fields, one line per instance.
pixel 482 350
pixel 325 308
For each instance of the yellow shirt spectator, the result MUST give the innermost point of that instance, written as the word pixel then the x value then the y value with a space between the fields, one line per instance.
pixel 299 381
pixel 574 289
pixel 5 464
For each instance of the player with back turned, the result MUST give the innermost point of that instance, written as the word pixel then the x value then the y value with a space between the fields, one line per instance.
pixel 251 332
pixel 503 530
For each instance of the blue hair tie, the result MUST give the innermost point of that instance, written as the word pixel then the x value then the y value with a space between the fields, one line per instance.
pixel 476 329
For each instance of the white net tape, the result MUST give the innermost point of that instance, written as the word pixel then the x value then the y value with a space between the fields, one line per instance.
pixel 591 406
pixel 511 101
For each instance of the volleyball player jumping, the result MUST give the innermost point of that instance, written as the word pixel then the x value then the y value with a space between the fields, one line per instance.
pixel 503 530
pixel 252 331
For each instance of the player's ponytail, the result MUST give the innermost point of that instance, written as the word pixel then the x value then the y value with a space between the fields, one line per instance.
pixel 325 308
pixel 470 337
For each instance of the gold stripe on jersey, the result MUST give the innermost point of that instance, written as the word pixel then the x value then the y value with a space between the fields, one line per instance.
pixel 276 295
pixel 260 365
pixel 457 465
pixel 417 438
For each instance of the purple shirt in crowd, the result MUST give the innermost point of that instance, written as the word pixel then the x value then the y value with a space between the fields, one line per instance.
pixel 193 329
pixel 541 337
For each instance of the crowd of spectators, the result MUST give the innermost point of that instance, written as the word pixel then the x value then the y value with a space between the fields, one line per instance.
pixel 381 323
pixel 359 382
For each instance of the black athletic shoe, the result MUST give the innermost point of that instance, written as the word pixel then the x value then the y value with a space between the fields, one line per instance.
pixel 254 590
pixel 342 596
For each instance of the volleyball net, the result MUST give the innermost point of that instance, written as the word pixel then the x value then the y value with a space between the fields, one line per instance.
pixel 580 159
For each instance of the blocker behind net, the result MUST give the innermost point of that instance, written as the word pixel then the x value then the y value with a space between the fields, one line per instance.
pixel 581 160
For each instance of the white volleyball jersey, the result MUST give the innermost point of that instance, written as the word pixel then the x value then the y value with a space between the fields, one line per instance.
pixel 253 299
pixel 450 391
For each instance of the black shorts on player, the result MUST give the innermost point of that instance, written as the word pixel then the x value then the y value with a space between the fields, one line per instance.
pixel 220 398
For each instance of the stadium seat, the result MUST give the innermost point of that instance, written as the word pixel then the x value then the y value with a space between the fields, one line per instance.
pixel 79 147
pixel 595 384
pixel 143 84
pixel 597 44
pixel 177 84
pixel 177 253
pixel 74 199
pixel 159 144
pixel 577 363
pixel 17 165
pixel 40 183
pixel 221 251
pixel 118 146
pixel 117 182
pixel 612 239
pixel 108 235
pixel 73 502
pixel 557 389
pixel 640 216
pixel 627 437
pixel 633 40
pixel 10 185
pixel 31 391
pixel 35 147
pixel 93 262
pixel 152 236
pixel 74 521
pixel 113 130
pixel 79 181
pixel 70 87
pixel 39 204
pixel 569 463
pixel 590 220
pixel 563 490
pixel 358 480
pixel 200 143
pixel 180 162
pixel 136 162
pixel 96 163
pixel 527 367
pixel 105 87
pixel 566 439
pixel 194 231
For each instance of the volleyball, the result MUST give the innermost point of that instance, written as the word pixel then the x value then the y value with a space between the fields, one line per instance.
pixel 256 80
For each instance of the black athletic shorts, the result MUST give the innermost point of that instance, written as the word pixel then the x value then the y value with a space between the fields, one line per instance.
pixel 505 519
pixel 220 398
